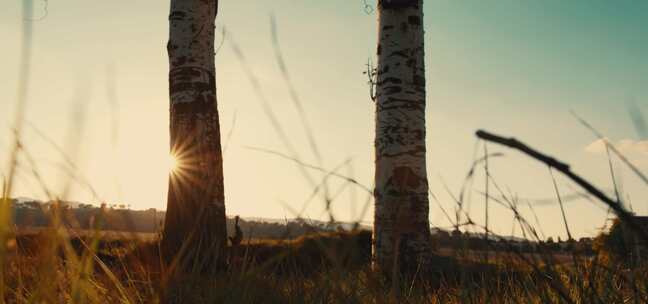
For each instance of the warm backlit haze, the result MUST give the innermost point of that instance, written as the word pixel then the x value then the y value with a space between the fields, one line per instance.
pixel 98 90
pixel 172 163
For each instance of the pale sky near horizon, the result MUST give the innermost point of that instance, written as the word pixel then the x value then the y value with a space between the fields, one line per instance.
pixel 512 67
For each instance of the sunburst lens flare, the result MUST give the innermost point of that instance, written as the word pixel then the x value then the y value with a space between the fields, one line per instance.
pixel 172 163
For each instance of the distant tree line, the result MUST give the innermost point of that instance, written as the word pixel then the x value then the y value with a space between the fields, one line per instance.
pixel 467 241
pixel 84 216
pixel 116 217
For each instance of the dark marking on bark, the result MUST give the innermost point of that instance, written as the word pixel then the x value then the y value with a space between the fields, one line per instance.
pixel 392 90
pixel 419 80
pixel 410 62
pixel 402 53
pixel 393 102
pixel 192 107
pixel 393 80
pixel 405 106
pixel 414 20
pixel 199 81
pixel 404 27
pixel 179 61
pixel 398 4
pixel 415 152
pixel 419 135
pixel 177 15
pixel 404 178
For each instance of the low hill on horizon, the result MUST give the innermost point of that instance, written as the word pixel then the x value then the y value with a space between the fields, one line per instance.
pixel 29 212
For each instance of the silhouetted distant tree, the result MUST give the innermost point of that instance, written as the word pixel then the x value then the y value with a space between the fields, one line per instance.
pixel 238 233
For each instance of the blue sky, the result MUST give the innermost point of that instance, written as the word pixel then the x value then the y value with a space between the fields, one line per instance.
pixel 512 67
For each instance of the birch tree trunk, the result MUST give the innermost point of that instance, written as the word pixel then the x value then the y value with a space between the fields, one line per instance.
pixel 194 237
pixel 401 225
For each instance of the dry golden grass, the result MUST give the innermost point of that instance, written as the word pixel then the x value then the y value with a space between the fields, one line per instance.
pixel 52 267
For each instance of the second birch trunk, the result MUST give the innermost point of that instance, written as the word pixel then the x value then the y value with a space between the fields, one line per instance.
pixel 401 225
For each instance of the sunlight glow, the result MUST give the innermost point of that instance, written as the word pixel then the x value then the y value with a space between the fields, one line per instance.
pixel 172 163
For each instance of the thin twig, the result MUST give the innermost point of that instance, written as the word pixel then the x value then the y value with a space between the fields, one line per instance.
pixel 486 173
pixel 320 185
pixel 368 8
pixel 292 91
pixel 487 182
pixel 560 202
pixel 612 175
pixel 297 103
pixel 638 120
pixel 613 148
pixel 229 134
pixel 317 168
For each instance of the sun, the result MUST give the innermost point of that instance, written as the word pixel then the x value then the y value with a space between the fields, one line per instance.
pixel 172 163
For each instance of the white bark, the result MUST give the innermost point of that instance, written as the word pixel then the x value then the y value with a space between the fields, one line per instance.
pixel 401 225
pixel 191 48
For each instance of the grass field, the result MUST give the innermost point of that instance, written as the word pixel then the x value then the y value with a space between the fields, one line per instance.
pixel 43 266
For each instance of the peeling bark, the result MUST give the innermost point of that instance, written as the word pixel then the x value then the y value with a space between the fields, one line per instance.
pixel 401 225
pixel 194 234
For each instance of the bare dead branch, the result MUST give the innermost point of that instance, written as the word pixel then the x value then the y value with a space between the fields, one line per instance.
pixel 616 206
